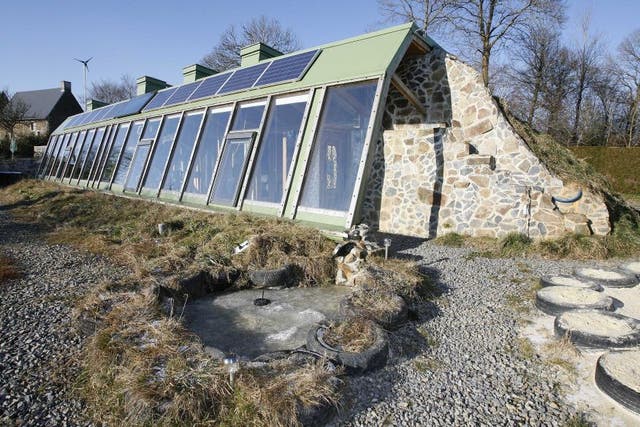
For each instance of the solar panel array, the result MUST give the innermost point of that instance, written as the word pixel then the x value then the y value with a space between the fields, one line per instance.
pixel 279 70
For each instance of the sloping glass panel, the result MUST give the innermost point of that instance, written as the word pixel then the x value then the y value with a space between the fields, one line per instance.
pixel 248 116
pixel 182 93
pixel 243 78
pixel 91 155
pixel 133 106
pixel 47 155
pixel 207 151
pixel 75 173
pixel 231 170
pixel 55 159
pixel 209 86
pixel 137 167
pixel 103 153
pixel 337 150
pixel 112 158
pixel 286 69
pixel 161 152
pixel 182 152
pixel 75 155
pixel 275 151
pixel 127 152
pixel 65 154
pixel 104 112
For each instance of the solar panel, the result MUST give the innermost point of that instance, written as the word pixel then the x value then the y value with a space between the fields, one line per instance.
pixel 132 106
pixel 209 86
pixel 103 112
pixel 243 78
pixel 285 69
pixel 159 99
pixel 79 119
pixel 182 93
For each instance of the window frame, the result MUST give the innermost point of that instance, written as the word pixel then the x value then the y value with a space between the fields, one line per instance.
pixel 143 142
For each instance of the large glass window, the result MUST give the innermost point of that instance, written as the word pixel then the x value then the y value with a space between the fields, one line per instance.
pixel 75 155
pixel 55 159
pixel 231 170
pixel 102 154
pixel 46 162
pixel 161 152
pixel 182 151
pixel 275 152
pixel 207 151
pixel 75 173
pixel 141 155
pixel 91 155
pixel 337 150
pixel 112 158
pixel 127 152
pixel 66 154
pixel 248 116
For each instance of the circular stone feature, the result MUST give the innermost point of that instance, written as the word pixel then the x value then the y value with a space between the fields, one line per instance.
pixel 555 300
pixel 608 277
pixel 618 376
pixel 599 329
pixel 632 267
pixel 566 280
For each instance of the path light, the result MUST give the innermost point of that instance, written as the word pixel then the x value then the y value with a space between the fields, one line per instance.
pixel 162 228
pixel 233 366
pixel 387 243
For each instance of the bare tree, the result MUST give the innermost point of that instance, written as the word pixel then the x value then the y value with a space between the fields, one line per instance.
pixel 226 54
pixel 557 90
pixel 110 91
pixel 432 16
pixel 586 57
pixel 605 87
pixel 12 111
pixel 629 63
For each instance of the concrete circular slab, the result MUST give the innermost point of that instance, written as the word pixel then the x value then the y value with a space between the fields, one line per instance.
pixel 608 277
pixel 618 376
pixel 555 300
pixel 567 280
pixel 599 329
pixel 632 267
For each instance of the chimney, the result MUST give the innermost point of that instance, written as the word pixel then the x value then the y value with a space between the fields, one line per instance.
pixel 194 72
pixel 254 53
pixel 92 104
pixel 146 84
pixel 65 86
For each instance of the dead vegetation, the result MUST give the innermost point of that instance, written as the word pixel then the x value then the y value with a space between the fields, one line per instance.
pixel 8 269
pixel 355 334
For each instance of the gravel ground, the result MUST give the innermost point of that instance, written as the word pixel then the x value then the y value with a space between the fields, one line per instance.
pixel 38 346
pixel 469 368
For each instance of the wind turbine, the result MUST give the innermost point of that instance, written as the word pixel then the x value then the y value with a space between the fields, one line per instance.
pixel 85 66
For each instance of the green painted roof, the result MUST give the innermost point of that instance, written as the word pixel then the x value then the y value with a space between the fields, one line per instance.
pixel 357 58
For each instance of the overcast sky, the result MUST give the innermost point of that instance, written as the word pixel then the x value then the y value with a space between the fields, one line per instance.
pixel 39 39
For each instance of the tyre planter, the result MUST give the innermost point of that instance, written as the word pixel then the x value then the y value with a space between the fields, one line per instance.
pixel 555 300
pixel 282 277
pixel 394 318
pixel 567 280
pixel 598 329
pixel 618 376
pixel 612 278
pixel 372 358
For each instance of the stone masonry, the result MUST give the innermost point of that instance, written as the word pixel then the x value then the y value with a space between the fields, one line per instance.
pixel 462 167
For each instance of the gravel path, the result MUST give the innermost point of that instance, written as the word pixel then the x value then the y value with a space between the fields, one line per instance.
pixel 471 368
pixel 38 346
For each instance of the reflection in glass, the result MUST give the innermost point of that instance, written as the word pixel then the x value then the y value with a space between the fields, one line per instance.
pixel 91 156
pixel 47 155
pixel 83 154
pixel 206 154
pixel 137 166
pixel 248 116
pixel 337 150
pixel 161 152
pixel 231 169
pixel 112 158
pixel 275 151
pixel 52 155
pixel 74 155
pixel 182 152
pixel 65 154
pixel 127 152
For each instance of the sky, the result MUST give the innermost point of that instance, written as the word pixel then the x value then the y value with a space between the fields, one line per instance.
pixel 39 39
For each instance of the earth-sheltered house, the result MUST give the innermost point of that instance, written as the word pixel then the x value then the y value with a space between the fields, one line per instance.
pixel 386 128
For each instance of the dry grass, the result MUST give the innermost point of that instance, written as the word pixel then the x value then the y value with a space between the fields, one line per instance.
pixel 8 270
pixel 354 334
pixel 561 352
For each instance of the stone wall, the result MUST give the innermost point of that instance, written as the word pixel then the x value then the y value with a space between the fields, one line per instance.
pixel 461 167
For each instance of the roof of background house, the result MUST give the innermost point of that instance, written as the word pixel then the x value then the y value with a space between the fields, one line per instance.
pixel 40 102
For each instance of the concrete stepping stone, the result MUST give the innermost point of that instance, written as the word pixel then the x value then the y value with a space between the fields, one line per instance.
pixel 632 267
pixel 618 376
pixel 598 329
pixel 568 280
pixel 555 300
pixel 610 277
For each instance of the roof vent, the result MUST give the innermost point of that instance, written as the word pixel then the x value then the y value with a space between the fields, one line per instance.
pixel 254 53
pixel 92 104
pixel 65 86
pixel 194 72
pixel 148 84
